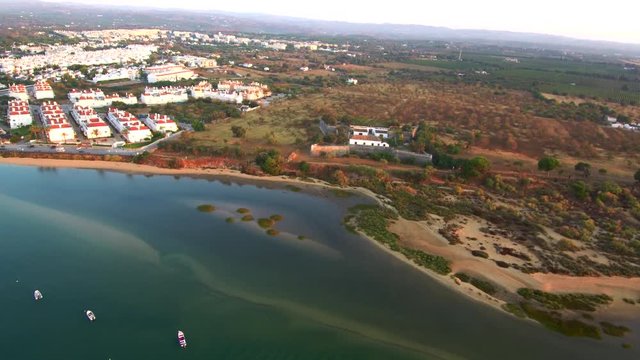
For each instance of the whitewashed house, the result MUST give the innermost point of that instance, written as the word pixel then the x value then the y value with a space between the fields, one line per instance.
pixel 367 140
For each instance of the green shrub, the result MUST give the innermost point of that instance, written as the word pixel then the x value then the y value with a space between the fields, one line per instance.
pixel 265 223
pixel 206 208
pixel 230 220
pixel 514 309
pixel 554 321
pixel 272 232
pixel 614 330
pixel 243 211
pixel 247 217
pixel 434 262
pixel 276 217
pixel 571 301
pixel 484 285
pixel 480 253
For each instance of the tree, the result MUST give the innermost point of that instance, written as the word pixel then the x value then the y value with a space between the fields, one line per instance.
pixel 584 168
pixel 270 162
pixel 238 131
pixel 475 167
pixel 580 189
pixel 636 176
pixel 548 163
pixel 304 167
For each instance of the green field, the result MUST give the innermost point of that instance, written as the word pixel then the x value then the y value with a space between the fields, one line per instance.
pixel 609 81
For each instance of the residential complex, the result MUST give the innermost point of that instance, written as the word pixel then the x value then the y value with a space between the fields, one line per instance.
pixel 55 123
pixel 131 128
pixel 42 90
pixel 67 55
pixel 19 114
pixel 96 98
pixel 163 95
pixel 160 123
pixel 168 72
pixel 252 91
pixel 92 126
pixel 18 91
pixel 204 89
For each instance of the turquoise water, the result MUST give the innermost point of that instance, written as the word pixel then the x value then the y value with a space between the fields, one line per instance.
pixel 134 249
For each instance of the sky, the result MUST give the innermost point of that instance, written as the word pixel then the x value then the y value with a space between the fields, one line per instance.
pixel 612 20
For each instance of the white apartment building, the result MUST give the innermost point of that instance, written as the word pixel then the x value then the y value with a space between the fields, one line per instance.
pixel 163 95
pixel 18 91
pixel 168 72
pixel 160 123
pixel 96 98
pixel 117 74
pixel 131 128
pixel 367 140
pixel 55 123
pixel 92 126
pixel 19 114
pixel 42 90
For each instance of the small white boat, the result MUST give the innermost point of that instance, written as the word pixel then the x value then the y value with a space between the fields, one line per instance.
pixel 181 340
pixel 90 315
pixel 37 295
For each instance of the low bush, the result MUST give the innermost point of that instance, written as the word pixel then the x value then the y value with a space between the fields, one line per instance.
pixel 206 208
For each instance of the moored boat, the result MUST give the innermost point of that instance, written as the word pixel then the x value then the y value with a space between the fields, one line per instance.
pixel 90 315
pixel 37 295
pixel 181 340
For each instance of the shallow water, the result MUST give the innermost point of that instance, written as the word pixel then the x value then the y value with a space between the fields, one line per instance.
pixel 135 250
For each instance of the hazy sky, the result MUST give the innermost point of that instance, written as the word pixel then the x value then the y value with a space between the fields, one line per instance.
pixel 615 20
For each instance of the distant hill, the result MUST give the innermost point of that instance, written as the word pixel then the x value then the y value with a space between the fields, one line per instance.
pixel 77 16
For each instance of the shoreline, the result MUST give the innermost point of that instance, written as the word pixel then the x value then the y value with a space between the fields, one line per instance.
pixel 613 286
pixel 131 168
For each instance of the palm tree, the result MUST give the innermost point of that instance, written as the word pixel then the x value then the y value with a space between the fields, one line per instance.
pixel 95 133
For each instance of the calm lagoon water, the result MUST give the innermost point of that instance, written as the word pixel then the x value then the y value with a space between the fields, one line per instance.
pixel 134 249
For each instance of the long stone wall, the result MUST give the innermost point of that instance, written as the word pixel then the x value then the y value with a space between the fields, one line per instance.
pixel 338 150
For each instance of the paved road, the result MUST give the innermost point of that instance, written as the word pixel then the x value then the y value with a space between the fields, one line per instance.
pixel 68 149
pixel 74 149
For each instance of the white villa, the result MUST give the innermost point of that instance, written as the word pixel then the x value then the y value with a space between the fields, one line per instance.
pixel 42 90
pixel 163 95
pixel 131 128
pixel 367 140
pixel 55 123
pixel 18 91
pixel 168 72
pixel 160 123
pixel 92 126
pixel 370 131
pixel 19 114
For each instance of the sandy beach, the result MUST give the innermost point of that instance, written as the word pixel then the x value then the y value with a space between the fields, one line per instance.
pixel 412 233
